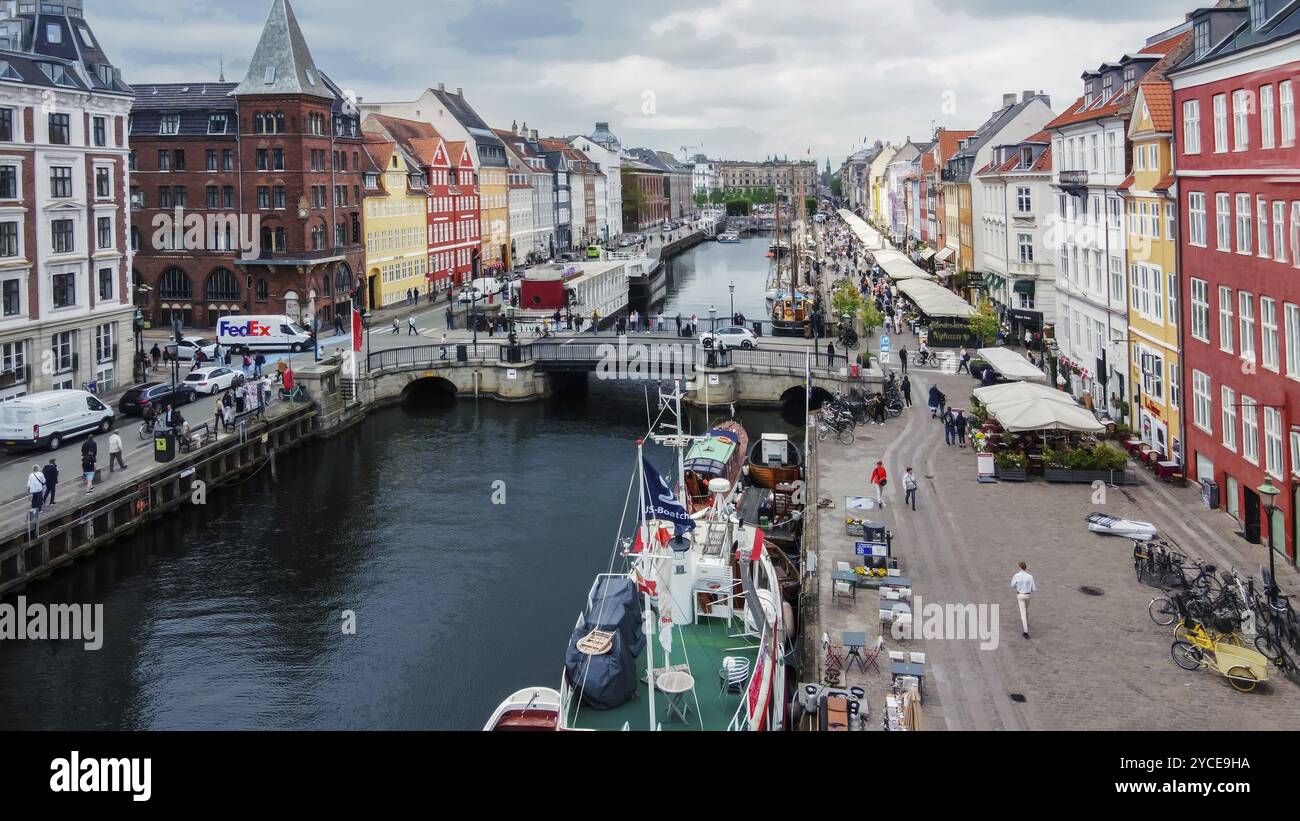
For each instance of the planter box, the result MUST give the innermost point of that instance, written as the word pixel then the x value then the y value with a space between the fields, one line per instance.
pixel 1011 474
pixel 1087 477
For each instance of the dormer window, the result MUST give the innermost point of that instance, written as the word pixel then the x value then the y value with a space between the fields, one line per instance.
pixel 105 73
pixel 1201 38
pixel 268 77
pixel 1087 93
pixel 216 123
pixel 54 34
pixel 169 124
pixel 1130 78
pixel 1107 86
pixel 1258 14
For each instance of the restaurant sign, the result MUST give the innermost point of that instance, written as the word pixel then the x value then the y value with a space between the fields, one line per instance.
pixel 951 336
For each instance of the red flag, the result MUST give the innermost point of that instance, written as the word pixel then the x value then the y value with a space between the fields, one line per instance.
pixel 356 330
pixel 755 550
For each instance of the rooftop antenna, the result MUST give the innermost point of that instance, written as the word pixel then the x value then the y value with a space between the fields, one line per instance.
pixel 221 62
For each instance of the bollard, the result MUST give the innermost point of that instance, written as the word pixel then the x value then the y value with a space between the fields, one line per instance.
pixel 274 473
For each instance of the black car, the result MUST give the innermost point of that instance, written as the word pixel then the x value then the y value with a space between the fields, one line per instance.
pixel 157 394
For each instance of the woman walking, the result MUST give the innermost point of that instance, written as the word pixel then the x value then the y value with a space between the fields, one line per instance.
pixel 907 391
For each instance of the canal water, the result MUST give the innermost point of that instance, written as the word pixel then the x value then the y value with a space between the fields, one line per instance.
pixel 463 535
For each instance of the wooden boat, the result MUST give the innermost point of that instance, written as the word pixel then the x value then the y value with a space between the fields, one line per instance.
pixel 721 455
pixel 773 460
pixel 533 709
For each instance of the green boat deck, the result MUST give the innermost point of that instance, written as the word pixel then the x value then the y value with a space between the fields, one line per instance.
pixel 704 645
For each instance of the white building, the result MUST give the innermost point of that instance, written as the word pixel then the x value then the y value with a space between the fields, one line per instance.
pixel 704 175
pixel 64 224
pixel 1016 215
pixel 604 149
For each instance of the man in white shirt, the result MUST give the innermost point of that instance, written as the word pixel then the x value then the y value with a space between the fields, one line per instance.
pixel 36 487
pixel 1023 584
pixel 909 488
pixel 115 452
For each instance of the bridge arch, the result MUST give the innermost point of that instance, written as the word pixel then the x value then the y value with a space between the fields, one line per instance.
pixel 792 402
pixel 429 391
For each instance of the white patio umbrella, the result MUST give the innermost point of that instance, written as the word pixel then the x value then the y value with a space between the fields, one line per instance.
pixel 1020 391
pixel 1044 414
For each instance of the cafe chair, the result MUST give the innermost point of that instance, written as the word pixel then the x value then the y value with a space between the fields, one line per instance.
pixel 843 567
pixel 905 593
pixel 733 675
pixel 842 589
pixel 894 571
pixel 897 655
pixel 917 658
pixel 886 617
pixel 869 660
pixel 835 657
pixel 903 620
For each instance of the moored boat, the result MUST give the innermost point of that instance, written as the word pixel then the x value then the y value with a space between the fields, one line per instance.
pixel 774 459
pixel 729 236
pixel 721 454
pixel 533 709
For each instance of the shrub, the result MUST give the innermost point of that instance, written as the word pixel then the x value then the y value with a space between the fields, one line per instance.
pixel 1010 461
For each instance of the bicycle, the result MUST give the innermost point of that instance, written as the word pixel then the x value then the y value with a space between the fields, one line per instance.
pixel 927 359
pixel 848 339
pixel 146 429
pixel 843 432
pixel 296 395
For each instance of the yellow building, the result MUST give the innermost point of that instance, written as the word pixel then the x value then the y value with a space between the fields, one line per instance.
pixel 494 218
pixel 397 245
pixel 1151 198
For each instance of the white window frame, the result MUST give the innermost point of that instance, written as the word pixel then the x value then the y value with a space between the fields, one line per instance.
pixel 1273 455
pixel 1196 218
pixel 1223 221
pixel 1200 302
pixel 1250 430
pixel 1268 333
pixel 1228 416
pixel 1226 320
pixel 1244 228
pixel 1220 123
pixel 1202 403
pixel 1246 324
pixel 1266 137
pixel 1240 120
pixel 1286 113
pixel 1192 127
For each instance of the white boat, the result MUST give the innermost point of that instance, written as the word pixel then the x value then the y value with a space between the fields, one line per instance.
pixel 533 709
pixel 729 236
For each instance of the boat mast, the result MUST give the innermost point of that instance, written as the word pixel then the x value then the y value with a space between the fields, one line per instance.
pixel 645 591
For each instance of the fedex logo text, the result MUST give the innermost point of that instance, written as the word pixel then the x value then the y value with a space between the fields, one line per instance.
pixel 252 328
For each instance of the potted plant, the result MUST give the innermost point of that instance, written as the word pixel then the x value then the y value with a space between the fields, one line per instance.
pixel 1010 466
pixel 1102 463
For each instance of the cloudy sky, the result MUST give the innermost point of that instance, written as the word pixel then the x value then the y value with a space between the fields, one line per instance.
pixel 742 78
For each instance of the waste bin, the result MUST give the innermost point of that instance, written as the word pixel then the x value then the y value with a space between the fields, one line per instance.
pixel 1210 494
pixel 758 327
pixel 164 445
pixel 853 370
pixel 462 353
pixel 514 354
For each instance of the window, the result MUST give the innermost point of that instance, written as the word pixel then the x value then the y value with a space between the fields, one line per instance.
pixel 1240 120
pixel 61 233
pixel 1268 328
pixel 104 232
pixel 165 197
pixel 1273 442
pixel 99 130
pixel 6 125
pixel 103 183
pixel 1196 218
pixel 228 159
pixel 277 159
pixel 1172 293
pixel 263 160
pixel 1261 209
pixel 1112 153
pixel 213 197
pixel 1286 113
pixel 60 129
pixel 1201 405
pixel 1243 223
pixel 1228 417
pixel 1247 322
pixel 61 347
pixel 11 297
pixel 1250 430
pixel 1292 319
pixel 1023 201
pixel 263 197
pixel 1225 319
pixel 164 160
pixel 178 157
pixel 8 182
pixel 105 284
pixel 8 239
pixel 1266 137
pixel 53 34
pixel 65 290
pixel 1220 123
pixel 216 123
pixel 279 196
pixel 60 181
pixel 1279 231
pixel 104 342
pixel 1258 15
pixel 169 124
pixel 1026 243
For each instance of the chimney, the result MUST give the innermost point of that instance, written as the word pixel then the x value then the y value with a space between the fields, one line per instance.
pixel 1027 95
pixel 442 86
pixel 460 92
pixel 514 126
pixel 533 134
pixel 1008 100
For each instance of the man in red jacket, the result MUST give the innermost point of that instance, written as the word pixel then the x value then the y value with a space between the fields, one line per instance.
pixel 879 479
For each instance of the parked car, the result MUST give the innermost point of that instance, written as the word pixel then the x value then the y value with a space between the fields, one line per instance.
pixel 45 419
pixel 732 336
pixel 189 344
pixel 158 394
pixel 210 380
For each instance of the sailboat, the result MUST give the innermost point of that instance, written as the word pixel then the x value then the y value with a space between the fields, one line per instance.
pixel 692 633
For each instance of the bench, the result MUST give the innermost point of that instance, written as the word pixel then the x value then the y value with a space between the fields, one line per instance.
pixel 251 413
pixel 199 436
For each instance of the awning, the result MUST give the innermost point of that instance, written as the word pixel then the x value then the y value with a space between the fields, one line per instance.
pixel 1021 406
pixel 934 300
pixel 993 282
pixel 898 267
pixel 868 236
pixel 926 253
pixel 945 254
pixel 1011 365
pixel 1023 286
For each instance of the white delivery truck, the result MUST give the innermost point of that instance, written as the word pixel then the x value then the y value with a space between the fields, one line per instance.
pixel 262 333
pixel 44 420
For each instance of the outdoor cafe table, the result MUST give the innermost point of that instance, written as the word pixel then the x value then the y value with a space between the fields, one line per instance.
pixel 1166 470
pixel 907 668
pixel 869 582
pixel 854 641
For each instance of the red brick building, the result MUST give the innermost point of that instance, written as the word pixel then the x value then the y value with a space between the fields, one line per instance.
pixel 1238 170
pixel 266 175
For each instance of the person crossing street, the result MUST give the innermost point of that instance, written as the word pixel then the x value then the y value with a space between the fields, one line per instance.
pixel 1023 584
pixel 879 478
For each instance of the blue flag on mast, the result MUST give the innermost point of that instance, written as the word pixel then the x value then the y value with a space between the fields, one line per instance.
pixel 658 501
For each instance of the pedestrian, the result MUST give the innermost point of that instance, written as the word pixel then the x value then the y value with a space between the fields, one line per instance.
pixel 51 474
pixel 259 362
pixel 595 322
pixel 280 368
pixel 695 322
pixel 830 353
pixel 1029 339
pixel 397 329
pixel 907 390
pixel 36 487
pixel 659 322
pixel 949 429
pixel 88 468
pixel 228 416
pixel 679 323
pixel 964 365
pixel 933 401
pixel 155 355
pixel 411 330
pixel 451 319
pixel 115 451
pixel 239 398
pixel 248 364
pixel 879 479
pixel 909 489
pixel 338 326
pixel 218 410
pixel 1023 584
pixel 902 358
pixel 959 425
pixel 444 347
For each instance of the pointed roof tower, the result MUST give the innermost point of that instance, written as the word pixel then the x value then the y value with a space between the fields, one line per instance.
pixel 282 63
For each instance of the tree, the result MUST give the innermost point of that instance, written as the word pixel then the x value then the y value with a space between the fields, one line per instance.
pixel 701 199
pixel 984 324
pixel 870 316
pixel 634 200
pixel 837 188
pixel 846 300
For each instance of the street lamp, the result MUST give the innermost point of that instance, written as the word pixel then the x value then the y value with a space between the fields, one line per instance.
pixel 1268 495
pixel 713 318
pixel 732 289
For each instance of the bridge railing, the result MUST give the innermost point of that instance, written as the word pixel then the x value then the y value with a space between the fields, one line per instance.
pixel 451 354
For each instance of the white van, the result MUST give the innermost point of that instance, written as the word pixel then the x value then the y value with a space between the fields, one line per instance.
pixel 44 420
pixel 262 333
pixel 480 289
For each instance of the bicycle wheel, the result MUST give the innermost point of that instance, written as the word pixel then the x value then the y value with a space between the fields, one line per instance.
pixel 1187 656
pixel 1241 679
pixel 846 436
pixel 1162 611
pixel 822 433
pixel 1264 644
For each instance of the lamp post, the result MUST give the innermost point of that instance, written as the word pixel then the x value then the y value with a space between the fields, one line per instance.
pixel 713 319
pixel 732 289
pixel 1268 495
